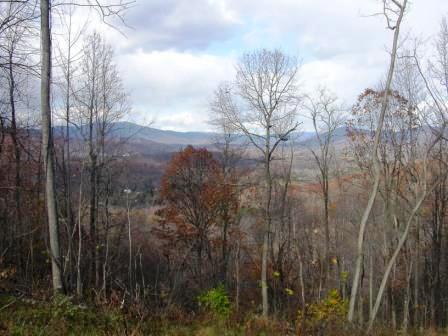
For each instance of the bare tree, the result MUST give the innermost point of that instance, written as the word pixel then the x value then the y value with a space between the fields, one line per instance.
pixel 16 15
pixel 326 116
pixel 106 10
pixel 262 106
pixel 422 190
pixel 408 82
pixel 231 150
pixel 392 9
pixel 67 57
pixel 435 82
pixel 100 102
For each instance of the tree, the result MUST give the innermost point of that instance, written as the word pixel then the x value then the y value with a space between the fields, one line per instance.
pixel 230 153
pixel 326 118
pixel 408 82
pixel 194 191
pixel 16 15
pixel 393 8
pixel 105 10
pixel 68 60
pixel 434 81
pixel 401 176
pixel 14 75
pixel 100 101
pixel 262 106
pixel 47 146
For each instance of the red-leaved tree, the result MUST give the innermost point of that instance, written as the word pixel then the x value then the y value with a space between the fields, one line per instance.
pixel 197 202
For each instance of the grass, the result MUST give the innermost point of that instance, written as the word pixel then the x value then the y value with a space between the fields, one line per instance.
pixel 63 317
pixel 59 317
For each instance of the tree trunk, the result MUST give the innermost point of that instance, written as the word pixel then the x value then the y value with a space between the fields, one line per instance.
pixel 391 262
pixel 14 136
pixel 67 164
pixel 327 228
pixel 368 209
pixel 237 275
pixel 416 313
pixel 407 297
pixel 78 263
pixel 47 146
pixel 370 285
pixel 130 274
pixel 267 229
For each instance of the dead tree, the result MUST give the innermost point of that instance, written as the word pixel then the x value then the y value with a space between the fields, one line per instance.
pixel 393 8
pixel 262 106
pixel 324 112
pixel 100 101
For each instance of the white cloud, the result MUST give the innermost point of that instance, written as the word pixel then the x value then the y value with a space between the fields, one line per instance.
pixel 171 86
pixel 181 49
pixel 346 76
pixel 179 24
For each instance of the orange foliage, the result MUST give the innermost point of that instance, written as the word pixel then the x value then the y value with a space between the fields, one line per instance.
pixel 196 197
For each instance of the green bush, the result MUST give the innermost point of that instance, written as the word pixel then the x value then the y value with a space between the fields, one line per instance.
pixel 216 301
pixel 325 316
pixel 63 308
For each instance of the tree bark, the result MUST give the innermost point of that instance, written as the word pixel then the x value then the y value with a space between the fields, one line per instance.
pixel 14 137
pixel 78 263
pixel 47 146
pixel 267 229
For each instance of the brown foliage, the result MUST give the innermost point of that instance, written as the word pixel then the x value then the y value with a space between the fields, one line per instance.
pixel 197 201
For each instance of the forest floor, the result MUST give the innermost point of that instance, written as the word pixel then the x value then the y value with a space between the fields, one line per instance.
pixel 62 317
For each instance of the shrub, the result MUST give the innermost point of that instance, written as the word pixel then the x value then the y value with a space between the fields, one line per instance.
pixel 323 317
pixel 216 301
pixel 63 308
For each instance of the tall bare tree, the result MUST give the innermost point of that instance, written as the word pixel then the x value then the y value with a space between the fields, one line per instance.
pixel 231 150
pixel 262 105
pixel 105 10
pixel 393 11
pixel 435 82
pixel 68 55
pixel 100 102
pixel 47 146
pixel 16 15
pixel 325 114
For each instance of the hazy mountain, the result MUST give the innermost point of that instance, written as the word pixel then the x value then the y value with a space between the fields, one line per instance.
pixel 158 139
pixel 139 132
pixel 340 137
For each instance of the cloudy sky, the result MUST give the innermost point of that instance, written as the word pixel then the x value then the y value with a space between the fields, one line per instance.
pixel 178 51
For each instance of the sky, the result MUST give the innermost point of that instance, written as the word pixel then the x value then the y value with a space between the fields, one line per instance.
pixel 174 53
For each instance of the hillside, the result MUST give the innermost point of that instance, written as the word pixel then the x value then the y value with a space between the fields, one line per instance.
pixel 148 140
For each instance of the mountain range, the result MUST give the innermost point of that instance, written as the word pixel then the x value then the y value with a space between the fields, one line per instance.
pixel 149 140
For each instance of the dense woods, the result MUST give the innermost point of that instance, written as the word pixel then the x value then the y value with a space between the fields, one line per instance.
pixel 260 229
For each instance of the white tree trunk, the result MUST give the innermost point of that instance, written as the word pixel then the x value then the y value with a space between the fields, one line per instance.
pixel 47 146
pixel 397 250
pixel 376 166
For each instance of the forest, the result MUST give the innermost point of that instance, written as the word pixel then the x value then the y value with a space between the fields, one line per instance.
pixel 266 227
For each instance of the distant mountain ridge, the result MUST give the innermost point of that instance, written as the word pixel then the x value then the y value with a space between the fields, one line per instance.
pixel 339 137
pixel 167 137
pixel 145 140
pixel 135 132
pixel 141 134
